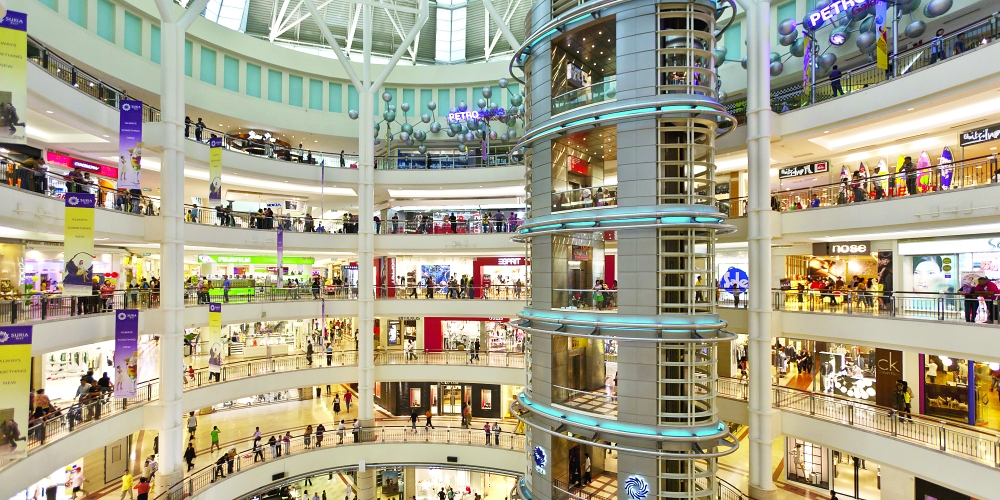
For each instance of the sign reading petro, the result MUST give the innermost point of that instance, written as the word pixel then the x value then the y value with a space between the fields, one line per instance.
pixel 474 115
pixel 817 19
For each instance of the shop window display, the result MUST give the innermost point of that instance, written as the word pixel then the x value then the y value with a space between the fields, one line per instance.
pixel 847 370
pixel 62 370
pixel 806 463
pixel 55 485
pixel 457 335
pixel 504 338
pixel 946 388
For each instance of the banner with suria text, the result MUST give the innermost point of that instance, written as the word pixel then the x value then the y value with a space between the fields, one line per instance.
pixel 129 144
pixel 215 171
pixel 126 352
pixel 78 246
pixel 15 386
pixel 214 338
pixel 13 77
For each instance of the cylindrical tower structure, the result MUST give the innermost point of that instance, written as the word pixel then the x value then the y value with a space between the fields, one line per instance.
pixel 623 331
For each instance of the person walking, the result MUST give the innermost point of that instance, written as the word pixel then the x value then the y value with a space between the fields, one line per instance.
pixel 428 422
pixel 127 483
pixel 199 129
pixel 347 401
pixel 192 425
pixel 142 489
pixel 336 406
pixel 340 432
pixel 329 353
pixel 586 468
pixel 189 455
pixel 413 420
pixel 910 170
pixel 258 451
pixel 309 353
pixel 226 285
pixel 215 439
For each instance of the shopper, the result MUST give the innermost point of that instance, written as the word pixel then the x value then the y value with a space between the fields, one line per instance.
pixel 428 423
pixel 273 444
pixel 309 353
pixel 199 129
pixel 189 455
pixel 496 433
pixel 258 451
pixel 142 489
pixel 215 439
pixel 127 483
pixel 226 285
pixel 988 290
pixel 219 471
pixel 586 468
pixel 320 429
pixel 938 52
pixel 356 430
pixel 454 223
pixel 347 401
pixel 486 428
pixel 287 441
pixel 340 432
pixel 835 81
pixel 413 420
pixel 336 405
pixel 910 170
pixel 192 425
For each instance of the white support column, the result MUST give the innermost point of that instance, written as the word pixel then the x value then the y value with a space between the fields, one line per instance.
pixel 171 436
pixel 366 233
pixel 759 153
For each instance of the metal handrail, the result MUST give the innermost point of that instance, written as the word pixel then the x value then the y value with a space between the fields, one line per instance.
pixel 595 92
pixel 955 307
pixel 588 197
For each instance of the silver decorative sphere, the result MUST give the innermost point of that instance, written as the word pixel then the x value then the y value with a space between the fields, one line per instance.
pixel 450 133
pixel 798 49
pixel 420 135
pixel 775 57
pixel 435 127
pixel 786 40
pixel 455 127
pixel 408 141
pixel 786 27
pixel 426 118
pixel 512 134
pixel 462 106
pixel 432 105
pixel 822 4
pixel 868 25
pixel 908 7
pixel 502 82
pixel 936 8
pixel 777 67
pixel 915 29
pixel 378 141
pixel 481 103
pixel 494 106
pixel 504 137
pixel 493 135
pixel 516 100
pixel 353 114
pixel 487 92
pixel 743 63
pixel 866 42
pixel 405 107
pixel 407 128
pixel 826 61
pixel 386 96
pixel 392 107
pixel 469 136
pixel 389 115
pixel 720 55
pixel 461 138
pixel 422 149
pixel 465 129
pixel 723 96
pixel 463 148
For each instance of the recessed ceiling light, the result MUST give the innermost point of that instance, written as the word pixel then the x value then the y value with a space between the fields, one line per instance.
pixel 826 131
pixel 106 135
pixel 49 111
pixel 909 109
pixel 993 149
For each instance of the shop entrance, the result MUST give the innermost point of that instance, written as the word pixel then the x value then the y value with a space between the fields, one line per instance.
pixel 856 477
pixel 451 399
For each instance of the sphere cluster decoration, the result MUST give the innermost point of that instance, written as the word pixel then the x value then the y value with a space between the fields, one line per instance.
pixel 461 123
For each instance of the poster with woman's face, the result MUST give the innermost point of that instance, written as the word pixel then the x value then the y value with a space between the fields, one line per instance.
pixel 935 273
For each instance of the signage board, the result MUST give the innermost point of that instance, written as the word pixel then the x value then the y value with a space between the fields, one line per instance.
pixel 806 169
pixel 817 19
pixel 254 259
pixel 476 115
pixel 84 165
pixel 577 165
pixel 580 253
pixel 979 135
pixel 843 248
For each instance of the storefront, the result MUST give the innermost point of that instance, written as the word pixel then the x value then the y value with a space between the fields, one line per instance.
pixel 807 463
pixel 960 390
pixel 834 263
pixel 456 334
pixel 55 484
pixel 258 267
pixel 42 267
pixel 445 398
pixel 414 220
pixel 104 176
pixel 496 276
pixel 61 370
pixel 11 268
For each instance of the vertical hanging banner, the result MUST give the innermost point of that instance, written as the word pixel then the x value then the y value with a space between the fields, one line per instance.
pixel 215 171
pixel 214 340
pixel 281 253
pixel 126 352
pixel 881 37
pixel 78 248
pixel 129 144
pixel 806 68
pixel 13 77
pixel 15 384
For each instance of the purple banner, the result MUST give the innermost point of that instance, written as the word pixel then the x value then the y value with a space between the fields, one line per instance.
pixel 281 252
pixel 126 352
pixel 12 335
pixel 81 200
pixel 129 144
pixel 15 21
pixel 15 385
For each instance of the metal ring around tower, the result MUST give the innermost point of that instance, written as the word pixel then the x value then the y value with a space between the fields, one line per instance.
pixel 617 218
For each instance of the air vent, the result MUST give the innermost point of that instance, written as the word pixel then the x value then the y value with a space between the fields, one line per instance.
pixel 802 155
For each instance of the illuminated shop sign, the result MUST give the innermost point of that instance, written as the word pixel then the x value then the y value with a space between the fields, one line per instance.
pixel 254 259
pixel 985 134
pixel 510 261
pixel 84 165
pixel 807 169
pixel 474 115
pixel 817 19
pixel 843 248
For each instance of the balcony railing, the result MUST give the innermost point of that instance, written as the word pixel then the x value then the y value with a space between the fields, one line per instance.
pixel 588 197
pixel 63 421
pixel 926 306
pixel 112 96
pixel 858 79
pixel 585 298
pixel 971 443
pixel 445 227
pixel 455 290
pixel 603 91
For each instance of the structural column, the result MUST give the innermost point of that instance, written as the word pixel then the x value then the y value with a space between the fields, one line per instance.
pixel 171 439
pixel 759 155
pixel 366 235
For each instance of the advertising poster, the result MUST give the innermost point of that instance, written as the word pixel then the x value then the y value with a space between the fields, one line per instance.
pixel 806 63
pixel 390 483
pixel 281 253
pixel 214 339
pixel 215 171
pixel 15 383
pixel 881 37
pixel 78 249
pixel 439 274
pixel 935 273
pixel 885 270
pixel 129 144
pixel 13 77
pixel 126 352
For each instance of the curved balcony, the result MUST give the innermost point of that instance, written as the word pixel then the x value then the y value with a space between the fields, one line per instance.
pixel 604 91
pixel 588 197
pixel 52 432
pixel 406 446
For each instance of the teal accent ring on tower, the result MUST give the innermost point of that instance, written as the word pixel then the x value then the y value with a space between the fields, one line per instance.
pixel 618 218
